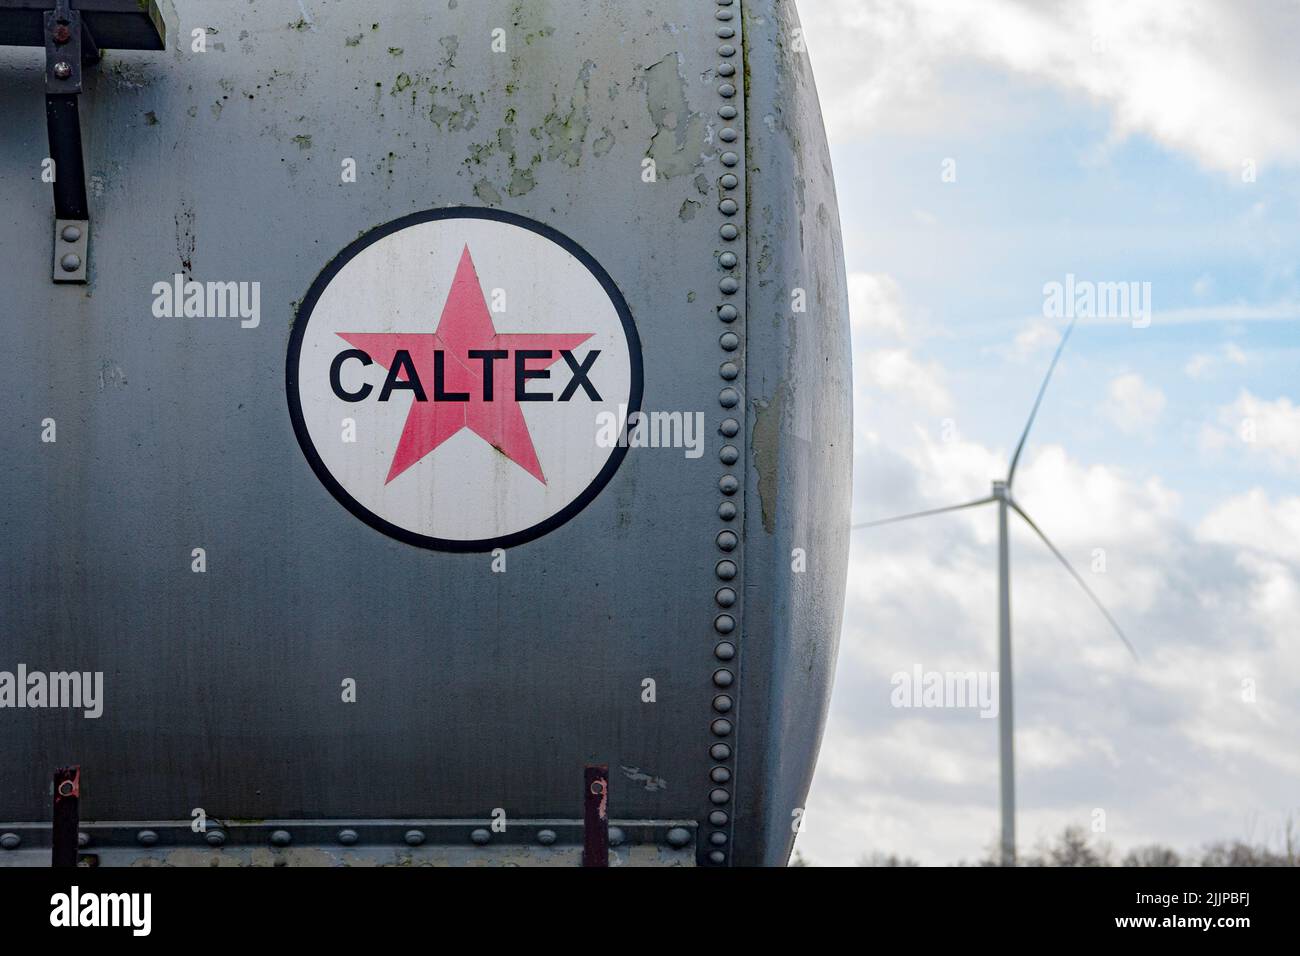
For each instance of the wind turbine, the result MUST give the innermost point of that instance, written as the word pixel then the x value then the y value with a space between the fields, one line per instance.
pixel 1001 494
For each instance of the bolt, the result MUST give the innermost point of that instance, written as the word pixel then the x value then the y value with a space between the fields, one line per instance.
pixel 63 69
pixel 62 34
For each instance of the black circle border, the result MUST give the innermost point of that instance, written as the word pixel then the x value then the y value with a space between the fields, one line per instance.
pixel 513 539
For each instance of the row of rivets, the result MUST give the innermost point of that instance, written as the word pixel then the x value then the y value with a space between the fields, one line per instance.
pixel 729 455
pixel 347 837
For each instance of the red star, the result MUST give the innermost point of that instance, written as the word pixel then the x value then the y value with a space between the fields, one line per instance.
pixel 465 324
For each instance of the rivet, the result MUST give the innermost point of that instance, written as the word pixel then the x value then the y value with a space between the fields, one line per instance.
pixel 725 623
pixel 726 32
pixel 724 14
pixel 546 837
pixel 729 180
pixel 728 285
pixel 281 838
pixel 723 678
pixel 146 838
pixel 717 857
pixel 722 704
pixel 718 839
pixel 726 597
pixel 718 797
pixel 71 233
pixel 729 455
pixel 727 540
pixel 11 841
pixel 480 836
pixel 729 398
pixel 729 371
pixel 726 570
pixel 726 50
pixel 724 3
pixel 728 484
pixel 730 159
pixel 725 651
pixel 616 836
pixel 728 135
pixel 730 427
pixel 718 818
pixel 721 727
pixel 413 837
pixel 728 260
pixel 678 837
pixel 728 207
pixel 83 838
pixel 726 90
pixel 728 313
pixel 729 341
pixel 720 775
pixel 63 69
pixel 347 837
pixel 71 262
pixel 728 112
pixel 728 232
pixel 720 752
pixel 215 837
pixel 726 69
pixel 727 511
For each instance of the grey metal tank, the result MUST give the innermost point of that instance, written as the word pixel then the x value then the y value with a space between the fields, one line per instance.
pixel 307 459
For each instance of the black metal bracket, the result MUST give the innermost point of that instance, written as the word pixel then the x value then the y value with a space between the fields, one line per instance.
pixel 72 39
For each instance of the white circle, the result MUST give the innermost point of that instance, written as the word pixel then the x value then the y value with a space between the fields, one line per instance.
pixel 472 485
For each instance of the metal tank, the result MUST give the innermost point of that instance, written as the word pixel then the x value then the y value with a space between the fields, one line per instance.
pixel 321 456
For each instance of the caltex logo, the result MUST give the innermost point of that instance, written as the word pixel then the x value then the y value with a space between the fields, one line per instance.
pixel 445 372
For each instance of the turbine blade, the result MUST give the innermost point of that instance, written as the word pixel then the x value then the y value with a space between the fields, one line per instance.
pixel 1015 459
pixel 1075 574
pixel 921 514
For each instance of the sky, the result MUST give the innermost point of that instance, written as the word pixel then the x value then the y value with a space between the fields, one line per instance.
pixel 983 151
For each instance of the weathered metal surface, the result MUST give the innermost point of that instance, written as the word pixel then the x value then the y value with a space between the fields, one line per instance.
pixel 474 690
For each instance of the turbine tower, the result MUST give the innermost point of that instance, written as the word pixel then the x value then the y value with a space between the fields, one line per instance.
pixel 1001 494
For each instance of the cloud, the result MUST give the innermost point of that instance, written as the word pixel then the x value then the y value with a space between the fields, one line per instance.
pixel 876 306
pixel 1270 429
pixel 1213 80
pixel 897 371
pixel 1203 365
pixel 1132 404
pixel 1253 523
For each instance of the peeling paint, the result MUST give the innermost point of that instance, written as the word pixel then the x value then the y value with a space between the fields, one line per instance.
pixel 487 193
pixel 678 143
pixel 651 782
pixel 767 452
pixel 567 134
